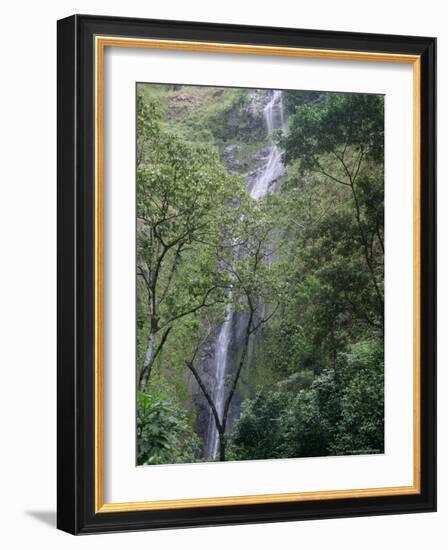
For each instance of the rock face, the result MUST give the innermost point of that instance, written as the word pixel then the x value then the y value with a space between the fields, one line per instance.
pixel 258 161
pixel 257 102
pixel 205 424
pixel 232 158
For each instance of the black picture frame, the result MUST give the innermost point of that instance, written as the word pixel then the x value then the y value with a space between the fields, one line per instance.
pixel 76 257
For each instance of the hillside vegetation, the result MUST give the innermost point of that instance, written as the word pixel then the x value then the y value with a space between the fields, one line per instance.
pixel 302 268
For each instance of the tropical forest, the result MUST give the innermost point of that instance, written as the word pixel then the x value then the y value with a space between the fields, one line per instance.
pixel 260 274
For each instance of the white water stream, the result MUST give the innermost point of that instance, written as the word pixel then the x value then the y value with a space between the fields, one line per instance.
pixel 272 169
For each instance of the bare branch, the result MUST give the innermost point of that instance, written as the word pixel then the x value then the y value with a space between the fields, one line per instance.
pixel 207 396
pixel 161 344
pixel 325 173
pixel 202 304
pixel 265 320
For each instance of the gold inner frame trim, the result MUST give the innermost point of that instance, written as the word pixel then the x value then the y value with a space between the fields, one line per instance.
pixel 101 42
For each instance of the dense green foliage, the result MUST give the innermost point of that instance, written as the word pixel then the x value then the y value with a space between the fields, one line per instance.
pixel 339 412
pixel 164 435
pixel 308 276
pixel 323 354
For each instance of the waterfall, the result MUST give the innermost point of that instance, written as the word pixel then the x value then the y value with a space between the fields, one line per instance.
pixel 222 347
pixel 271 170
pixel 274 117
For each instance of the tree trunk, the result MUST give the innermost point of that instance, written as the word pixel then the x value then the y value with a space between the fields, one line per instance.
pixel 368 259
pixel 144 376
pixel 222 446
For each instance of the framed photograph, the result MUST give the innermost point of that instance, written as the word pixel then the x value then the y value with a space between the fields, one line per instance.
pixel 246 274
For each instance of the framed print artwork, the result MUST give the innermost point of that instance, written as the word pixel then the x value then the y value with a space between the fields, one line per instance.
pixel 246 274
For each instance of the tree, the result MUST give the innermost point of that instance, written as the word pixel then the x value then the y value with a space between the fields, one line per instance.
pixel 340 412
pixel 255 289
pixel 361 421
pixel 341 138
pixel 298 276
pixel 293 99
pixel 259 433
pixel 189 207
pixel 183 195
pixel 320 391
pixel 164 434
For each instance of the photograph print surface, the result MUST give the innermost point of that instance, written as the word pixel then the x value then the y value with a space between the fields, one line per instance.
pixel 260 274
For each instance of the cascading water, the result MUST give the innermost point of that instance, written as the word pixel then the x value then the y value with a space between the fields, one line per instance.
pixel 271 170
pixel 222 347
pixel 275 119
